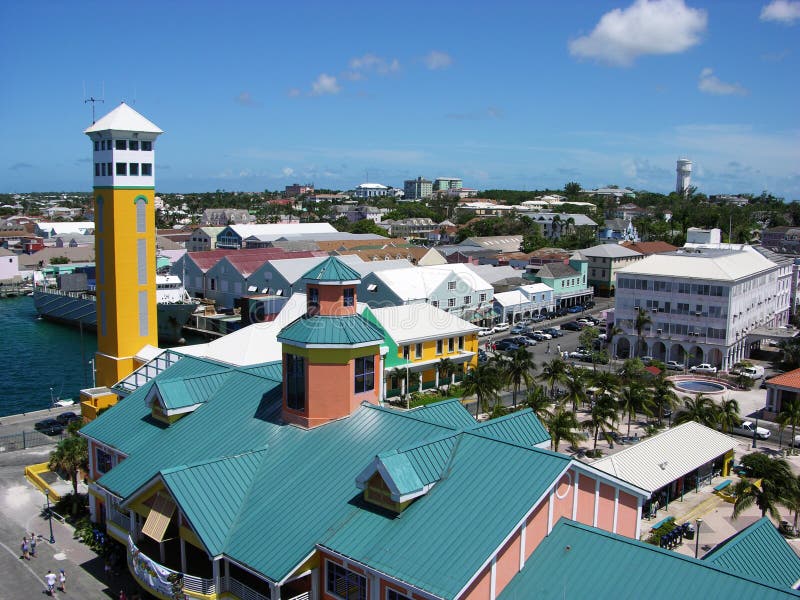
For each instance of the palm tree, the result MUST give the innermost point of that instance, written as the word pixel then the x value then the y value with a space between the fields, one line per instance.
pixel 562 425
pixel 70 456
pixel 553 372
pixel 607 383
pixel 728 415
pixel 642 320
pixel 537 400
pixel 664 396
pixel 632 400
pixel 790 415
pixel 483 382
pixel 602 417
pixel 446 368
pixel 575 382
pixel 517 370
pixel 701 409
pixel 773 483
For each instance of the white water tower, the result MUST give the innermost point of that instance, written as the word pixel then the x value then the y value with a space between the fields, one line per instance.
pixel 684 170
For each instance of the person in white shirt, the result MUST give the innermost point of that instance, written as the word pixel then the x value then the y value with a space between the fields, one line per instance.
pixel 50 580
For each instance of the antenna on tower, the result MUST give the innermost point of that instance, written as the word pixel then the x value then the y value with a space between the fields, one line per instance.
pixel 93 100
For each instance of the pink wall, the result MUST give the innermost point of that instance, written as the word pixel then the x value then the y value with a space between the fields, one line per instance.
pixel 605 508
pixel 507 563
pixel 586 486
pixel 627 515
pixel 536 527
pixel 481 587
pixel 562 498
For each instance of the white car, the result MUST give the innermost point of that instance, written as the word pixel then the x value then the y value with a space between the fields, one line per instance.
pixel 501 327
pixel 484 331
pixel 747 428
pixel 674 365
pixel 704 368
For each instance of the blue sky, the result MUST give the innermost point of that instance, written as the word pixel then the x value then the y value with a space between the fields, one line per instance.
pixel 524 95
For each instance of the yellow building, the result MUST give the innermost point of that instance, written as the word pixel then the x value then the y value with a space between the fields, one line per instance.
pixel 125 240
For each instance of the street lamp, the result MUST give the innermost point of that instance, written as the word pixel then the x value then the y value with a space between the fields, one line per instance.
pixel 49 515
pixel 755 429
pixel 697 538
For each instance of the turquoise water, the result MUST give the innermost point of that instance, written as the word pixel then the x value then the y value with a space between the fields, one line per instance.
pixel 39 355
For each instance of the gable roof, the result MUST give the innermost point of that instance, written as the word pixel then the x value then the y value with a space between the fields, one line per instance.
pixel 609 251
pixel 332 270
pixel 412 322
pixel 123 118
pixel 556 270
pixel 648 248
pixel 579 561
pixel 790 379
pixel 758 551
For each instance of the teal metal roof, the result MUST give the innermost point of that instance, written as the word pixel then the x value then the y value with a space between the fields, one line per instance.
pixel 447 412
pixel 521 427
pixel 179 393
pixel 345 330
pixel 579 561
pixel 758 551
pixel 332 270
pixel 444 537
pixel 402 473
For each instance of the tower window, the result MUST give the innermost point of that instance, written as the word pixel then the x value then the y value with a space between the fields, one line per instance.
pixel 108 169
pixel 103 169
pixel 96 146
pixel 295 382
pixel 133 169
pixel 133 145
pixel 97 169
pixel 147 169
pixel 349 296
pixel 312 301
pixel 144 317
pixel 147 146
pixel 364 374
pixel 121 144
pixel 141 214
pixel 122 168
pixel 141 260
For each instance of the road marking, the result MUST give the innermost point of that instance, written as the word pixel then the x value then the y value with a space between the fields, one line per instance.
pixel 24 562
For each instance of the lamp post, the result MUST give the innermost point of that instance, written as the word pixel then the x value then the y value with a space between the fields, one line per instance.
pixel 755 429
pixel 697 538
pixel 49 516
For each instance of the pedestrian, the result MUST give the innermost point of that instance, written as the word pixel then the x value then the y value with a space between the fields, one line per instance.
pixel 548 349
pixel 558 347
pixel 50 581
pixel 494 346
pixel 122 595
pixel 26 549
pixel 33 544
pixel 62 581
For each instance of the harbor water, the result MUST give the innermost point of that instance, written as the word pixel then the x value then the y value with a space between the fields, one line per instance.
pixel 39 357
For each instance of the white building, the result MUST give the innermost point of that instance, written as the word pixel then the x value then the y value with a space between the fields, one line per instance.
pixel 702 302
pixel 684 177
pixel 233 236
pixel 371 190
pixel 525 302
pixel 61 228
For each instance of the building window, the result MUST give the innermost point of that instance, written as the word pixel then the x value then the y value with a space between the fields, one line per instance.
pixel 102 461
pixel 349 296
pixel 418 351
pixel 144 316
pixel 96 146
pixel 120 145
pixel 439 346
pixel 103 169
pixel 343 583
pixel 141 214
pixel 435 303
pixel 451 344
pixel 461 342
pixel 295 382
pixel 133 145
pixel 97 169
pixel 451 302
pixel 312 301
pixel 108 169
pixel 133 169
pixel 365 374
pixel 451 285
pixel 102 310
pixel 482 297
pixel 147 169
pixel 141 260
pixel 406 352
pixel 122 168
pixel 393 595
pixel 147 146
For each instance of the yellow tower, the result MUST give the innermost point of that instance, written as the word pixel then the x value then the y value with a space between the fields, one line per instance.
pixel 125 240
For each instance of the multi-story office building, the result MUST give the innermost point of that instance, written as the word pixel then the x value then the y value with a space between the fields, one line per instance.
pixel 447 183
pixel 417 189
pixel 701 303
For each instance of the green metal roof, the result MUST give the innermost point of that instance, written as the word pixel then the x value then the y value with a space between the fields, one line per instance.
pixel 579 561
pixel 332 270
pixel 347 330
pixel 521 427
pixel 758 551
pixel 444 537
pixel 179 393
pixel 448 412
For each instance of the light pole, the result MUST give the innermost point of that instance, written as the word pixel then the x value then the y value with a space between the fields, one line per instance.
pixel 49 516
pixel 755 429
pixel 697 538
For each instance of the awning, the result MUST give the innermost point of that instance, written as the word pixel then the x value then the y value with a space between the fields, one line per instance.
pixel 160 514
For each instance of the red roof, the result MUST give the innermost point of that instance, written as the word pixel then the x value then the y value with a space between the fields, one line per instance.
pixel 208 258
pixel 648 248
pixel 653 370
pixel 790 379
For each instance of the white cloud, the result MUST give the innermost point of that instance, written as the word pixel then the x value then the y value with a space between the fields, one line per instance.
pixel 782 11
pixel 287 171
pixel 371 62
pixel 293 92
pixel 435 60
pixel 246 99
pixel 645 27
pixel 711 84
pixel 325 84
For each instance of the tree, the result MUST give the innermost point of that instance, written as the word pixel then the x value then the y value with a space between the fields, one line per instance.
pixel 575 382
pixel 553 372
pixel 632 400
pixel 368 226
pixel 573 188
pixel 537 400
pixel 71 456
pixel 483 382
pixel 446 368
pixel 728 415
pixel 700 409
pixel 790 414
pixel 642 320
pixel 586 338
pixel 562 425
pixel 664 396
pixel 602 417
pixel 789 354
pixel 517 370
pixel 772 483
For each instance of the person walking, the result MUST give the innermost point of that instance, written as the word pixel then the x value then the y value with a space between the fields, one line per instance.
pixel 50 581
pixel 33 544
pixel 62 581
pixel 548 349
pixel 558 347
pixel 26 549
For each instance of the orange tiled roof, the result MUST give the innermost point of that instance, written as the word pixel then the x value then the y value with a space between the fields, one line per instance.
pixel 790 379
pixel 648 248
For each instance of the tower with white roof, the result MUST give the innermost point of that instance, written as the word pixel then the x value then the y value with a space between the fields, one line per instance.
pixel 684 178
pixel 125 239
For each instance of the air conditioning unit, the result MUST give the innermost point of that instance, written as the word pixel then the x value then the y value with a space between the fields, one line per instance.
pixel 658 331
pixel 635 308
pixel 697 314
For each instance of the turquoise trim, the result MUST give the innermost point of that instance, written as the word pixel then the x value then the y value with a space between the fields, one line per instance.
pixel 124 187
pixel 140 197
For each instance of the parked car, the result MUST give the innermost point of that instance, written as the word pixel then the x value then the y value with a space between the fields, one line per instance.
pixel 589 304
pixel 575 309
pixel 482 357
pixel 68 417
pixel 538 318
pixel 674 365
pixel 561 312
pixel 747 428
pixel 500 327
pixel 506 346
pixel 49 427
pixel 581 355
pixel 523 340
pixel 518 329
pixel 556 333
pixel 484 331
pixel 753 372
pixel 572 326
pixel 704 368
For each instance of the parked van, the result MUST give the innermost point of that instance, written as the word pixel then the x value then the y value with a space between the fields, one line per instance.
pixel 754 372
